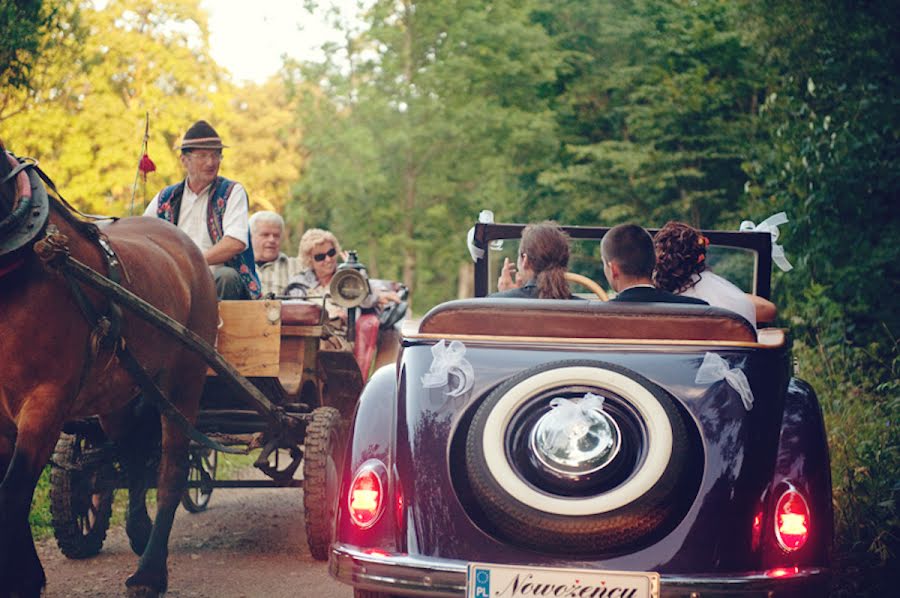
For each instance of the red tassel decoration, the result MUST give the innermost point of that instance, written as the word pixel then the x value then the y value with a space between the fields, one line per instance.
pixel 146 165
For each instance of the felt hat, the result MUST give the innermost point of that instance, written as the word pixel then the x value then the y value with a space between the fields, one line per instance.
pixel 201 135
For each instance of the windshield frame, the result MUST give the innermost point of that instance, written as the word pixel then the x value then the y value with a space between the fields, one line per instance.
pixel 760 243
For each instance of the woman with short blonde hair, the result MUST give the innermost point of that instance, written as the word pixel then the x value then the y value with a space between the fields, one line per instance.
pixel 308 242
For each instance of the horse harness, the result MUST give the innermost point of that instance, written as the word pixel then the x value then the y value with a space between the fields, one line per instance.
pixel 28 219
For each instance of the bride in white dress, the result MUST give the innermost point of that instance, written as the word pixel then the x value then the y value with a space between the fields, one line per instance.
pixel 681 269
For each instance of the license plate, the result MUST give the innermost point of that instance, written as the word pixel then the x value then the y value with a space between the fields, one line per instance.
pixel 485 580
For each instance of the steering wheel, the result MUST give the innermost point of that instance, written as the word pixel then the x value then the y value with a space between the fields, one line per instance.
pixel 590 284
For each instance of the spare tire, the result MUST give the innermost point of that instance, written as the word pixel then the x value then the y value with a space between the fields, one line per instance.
pixel 636 494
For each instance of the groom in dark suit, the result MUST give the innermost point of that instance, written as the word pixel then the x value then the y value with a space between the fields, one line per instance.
pixel 628 262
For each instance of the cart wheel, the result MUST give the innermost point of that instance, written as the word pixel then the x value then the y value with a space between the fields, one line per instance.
pixel 324 445
pixel 82 485
pixel 202 465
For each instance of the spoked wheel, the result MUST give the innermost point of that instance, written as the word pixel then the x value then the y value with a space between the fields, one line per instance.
pixel 324 445
pixel 203 462
pixel 82 485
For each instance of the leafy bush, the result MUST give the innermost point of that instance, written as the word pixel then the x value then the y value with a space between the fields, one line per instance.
pixel 862 420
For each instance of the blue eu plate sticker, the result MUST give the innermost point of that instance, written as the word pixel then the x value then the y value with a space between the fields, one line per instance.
pixel 482 583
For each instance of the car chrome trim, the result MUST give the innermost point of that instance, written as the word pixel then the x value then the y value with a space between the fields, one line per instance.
pixel 410 331
pixel 379 571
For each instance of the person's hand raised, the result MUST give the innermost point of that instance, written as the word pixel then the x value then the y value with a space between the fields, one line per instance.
pixel 387 297
pixel 505 282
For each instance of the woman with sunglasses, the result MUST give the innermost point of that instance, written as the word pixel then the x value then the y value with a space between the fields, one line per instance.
pixel 319 254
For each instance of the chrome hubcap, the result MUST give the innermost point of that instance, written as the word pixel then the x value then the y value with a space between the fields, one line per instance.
pixel 576 445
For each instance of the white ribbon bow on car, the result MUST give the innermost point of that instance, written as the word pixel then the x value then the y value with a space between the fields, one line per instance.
pixel 770 225
pixel 570 417
pixel 715 368
pixel 449 360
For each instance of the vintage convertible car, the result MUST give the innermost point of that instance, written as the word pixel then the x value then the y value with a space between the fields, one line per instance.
pixel 587 448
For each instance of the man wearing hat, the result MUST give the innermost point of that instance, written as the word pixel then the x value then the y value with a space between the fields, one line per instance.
pixel 212 210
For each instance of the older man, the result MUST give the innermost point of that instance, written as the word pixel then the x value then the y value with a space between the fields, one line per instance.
pixel 212 211
pixel 274 267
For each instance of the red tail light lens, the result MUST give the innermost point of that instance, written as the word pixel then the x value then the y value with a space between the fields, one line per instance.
pixel 756 530
pixel 792 521
pixel 366 496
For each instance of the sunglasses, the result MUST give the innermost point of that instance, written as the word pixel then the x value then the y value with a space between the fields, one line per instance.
pixel 320 257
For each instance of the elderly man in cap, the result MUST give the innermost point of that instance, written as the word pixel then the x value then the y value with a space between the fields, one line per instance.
pixel 274 267
pixel 212 210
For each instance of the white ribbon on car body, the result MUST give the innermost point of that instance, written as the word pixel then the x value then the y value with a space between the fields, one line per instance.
pixel 571 416
pixel 449 359
pixel 714 368
pixel 770 225
pixel 476 252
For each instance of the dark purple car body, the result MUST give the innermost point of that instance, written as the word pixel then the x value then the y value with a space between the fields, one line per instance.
pixel 699 494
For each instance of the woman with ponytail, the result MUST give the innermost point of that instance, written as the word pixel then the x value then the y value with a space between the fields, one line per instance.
pixel 540 269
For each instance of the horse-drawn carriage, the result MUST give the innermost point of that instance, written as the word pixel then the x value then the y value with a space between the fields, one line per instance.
pixel 275 344
pixel 120 322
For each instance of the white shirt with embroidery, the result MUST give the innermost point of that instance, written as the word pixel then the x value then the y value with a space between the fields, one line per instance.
pixel 192 216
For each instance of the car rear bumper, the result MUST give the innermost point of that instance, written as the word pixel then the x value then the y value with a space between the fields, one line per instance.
pixel 403 574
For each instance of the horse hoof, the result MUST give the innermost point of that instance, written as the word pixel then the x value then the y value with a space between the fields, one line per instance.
pixel 142 592
pixel 142 584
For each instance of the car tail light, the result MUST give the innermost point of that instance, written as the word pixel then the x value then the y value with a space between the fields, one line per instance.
pixel 791 521
pixel 756 530
pixel 366 495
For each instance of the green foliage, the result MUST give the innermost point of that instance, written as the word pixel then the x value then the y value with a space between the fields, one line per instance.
pixel 864 441
pixel 40 507
pixel 655 109
pixel 831 160
pixel 706 111
pixel 31 33
pixel 441 115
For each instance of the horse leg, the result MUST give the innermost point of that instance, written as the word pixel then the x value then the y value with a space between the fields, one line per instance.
pixel 135 432
pixel 21 573
pixel 151 576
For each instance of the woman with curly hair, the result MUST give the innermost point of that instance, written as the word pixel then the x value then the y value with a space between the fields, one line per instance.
pixel 540 269
pixel 681 269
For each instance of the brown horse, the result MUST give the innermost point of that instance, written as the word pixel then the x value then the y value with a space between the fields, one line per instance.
pixel 53 368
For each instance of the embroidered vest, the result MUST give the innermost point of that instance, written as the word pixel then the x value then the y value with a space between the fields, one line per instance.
pixel 169 208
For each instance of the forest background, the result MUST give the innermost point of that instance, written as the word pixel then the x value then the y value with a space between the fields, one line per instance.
pixel 592 113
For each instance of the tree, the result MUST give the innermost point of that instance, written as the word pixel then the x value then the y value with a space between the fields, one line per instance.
pixel 140 57
pixel 35 36
pixel 27 29
pixel 439 115
pixel 655 106
pixel 831 158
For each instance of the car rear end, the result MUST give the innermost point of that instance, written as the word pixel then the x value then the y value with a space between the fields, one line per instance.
pixel 578 455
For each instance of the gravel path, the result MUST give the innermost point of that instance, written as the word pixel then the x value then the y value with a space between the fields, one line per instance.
pixel 249 543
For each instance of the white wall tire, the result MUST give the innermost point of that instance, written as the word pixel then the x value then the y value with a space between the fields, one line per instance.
pixel 625 513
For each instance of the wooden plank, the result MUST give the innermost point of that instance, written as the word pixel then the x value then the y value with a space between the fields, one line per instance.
pixel 250 336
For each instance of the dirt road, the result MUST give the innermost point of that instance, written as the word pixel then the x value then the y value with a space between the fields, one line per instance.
pixel 249 543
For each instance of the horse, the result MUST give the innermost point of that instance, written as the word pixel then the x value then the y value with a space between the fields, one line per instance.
pixel 57 366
